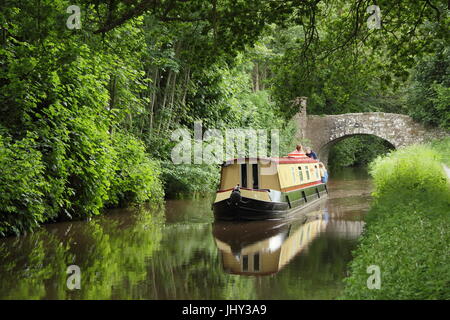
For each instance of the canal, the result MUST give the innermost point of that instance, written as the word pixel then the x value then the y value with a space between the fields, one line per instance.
pixel 179 252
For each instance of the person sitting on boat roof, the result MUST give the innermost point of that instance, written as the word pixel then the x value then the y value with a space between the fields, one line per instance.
pixel 298 152
pixel 299 148
pixel 323 172
pixel 311 154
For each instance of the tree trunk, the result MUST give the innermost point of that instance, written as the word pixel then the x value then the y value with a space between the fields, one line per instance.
pixel 153 98
pixel 256 71
pixel 172 101
pixel 264 77
pixel 163 106
pixel 112 95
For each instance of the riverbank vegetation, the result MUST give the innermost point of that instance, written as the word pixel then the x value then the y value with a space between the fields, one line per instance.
pixel 87 114
pixel 407 232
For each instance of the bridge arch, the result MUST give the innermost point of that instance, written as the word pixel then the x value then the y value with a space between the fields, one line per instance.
pixel 324 151
pixel 321 132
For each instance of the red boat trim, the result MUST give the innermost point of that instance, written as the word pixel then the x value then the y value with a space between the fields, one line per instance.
pixel 282 160
pixel 297 154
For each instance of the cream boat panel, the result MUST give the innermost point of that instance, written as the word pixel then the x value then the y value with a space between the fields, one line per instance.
pixel 230 177
pixel 290 177
pixel 269 176
pixel 222 195
pixel 257 195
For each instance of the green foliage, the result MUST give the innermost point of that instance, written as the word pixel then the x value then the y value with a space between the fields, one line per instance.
pixel 91 172
pixel 408 229
pixel 22 186
pixel 337 75
pixel 190 180
pixel 55 87
pixel 239 107
pixel 442 147
pixel 357 151
pixel 136 177
pixel 402 172
pixel 343 67
pixel 429 92
pixel 255 110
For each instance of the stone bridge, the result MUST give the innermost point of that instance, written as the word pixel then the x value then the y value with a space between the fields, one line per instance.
pixel 322 132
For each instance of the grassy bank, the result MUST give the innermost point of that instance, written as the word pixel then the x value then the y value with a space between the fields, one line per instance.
pixel 407 233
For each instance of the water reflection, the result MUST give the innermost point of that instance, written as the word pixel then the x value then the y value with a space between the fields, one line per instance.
pixel 172 253
pixel 111 252
pixel 265 247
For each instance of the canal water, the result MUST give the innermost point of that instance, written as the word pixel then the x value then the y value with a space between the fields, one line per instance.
pixel 179 252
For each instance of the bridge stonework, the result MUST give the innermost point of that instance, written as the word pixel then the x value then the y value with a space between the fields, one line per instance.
pixel 322 132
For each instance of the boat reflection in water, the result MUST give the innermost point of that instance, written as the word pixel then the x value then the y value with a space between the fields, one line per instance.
pixel 265 247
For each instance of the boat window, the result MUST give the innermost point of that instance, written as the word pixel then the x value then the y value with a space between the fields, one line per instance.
pixel 317 172
pixel 307 173
pixel 244 175
pixel 300 173
pixel 293 174
pixel 256 262
pixel 245 263
pixel 255 176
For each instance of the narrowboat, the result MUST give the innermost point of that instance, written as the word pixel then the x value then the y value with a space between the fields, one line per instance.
pixel 268 188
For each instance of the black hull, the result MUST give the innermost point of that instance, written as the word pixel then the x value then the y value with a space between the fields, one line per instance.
pixel 251 209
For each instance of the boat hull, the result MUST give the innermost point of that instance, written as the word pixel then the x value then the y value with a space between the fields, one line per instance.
pixel 253 209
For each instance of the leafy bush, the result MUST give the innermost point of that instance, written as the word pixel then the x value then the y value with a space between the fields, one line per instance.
pixel 189 180
pixel 413 169
pixel 136 178
pixel 407 231
pixel 22 185
pixel 443 148
pixel 61 149
pixel 429 92
pixel 90 167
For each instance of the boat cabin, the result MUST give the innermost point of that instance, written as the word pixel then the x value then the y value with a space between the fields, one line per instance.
pixel 257 188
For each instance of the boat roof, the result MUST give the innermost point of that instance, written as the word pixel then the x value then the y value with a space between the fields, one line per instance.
pixel 279 160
